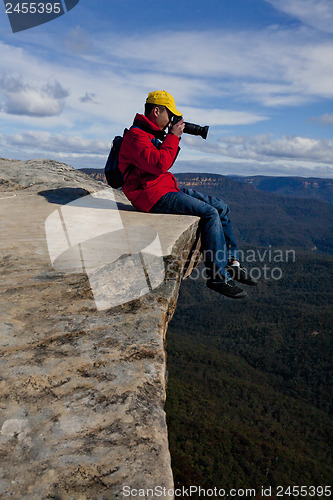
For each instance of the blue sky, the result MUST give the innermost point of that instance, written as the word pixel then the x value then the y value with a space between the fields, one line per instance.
pixel 258 72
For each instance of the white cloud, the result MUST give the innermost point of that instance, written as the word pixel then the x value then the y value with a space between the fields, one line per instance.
pixel 291 65
pixel 112 99
pixel 326 119
pixel 275 95
pixel 119 91
pixel 88 97
pixel 78 41
pixel 63 144
pixel 265 147
pixel 231 155
pixel 96 90
pixel 21 98
pixel 278 168
pixel 220 116
pixel 273 67
pixel 302 151
pixel 316 13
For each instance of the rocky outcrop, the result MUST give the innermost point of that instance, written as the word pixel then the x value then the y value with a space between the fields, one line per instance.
pixel 83 361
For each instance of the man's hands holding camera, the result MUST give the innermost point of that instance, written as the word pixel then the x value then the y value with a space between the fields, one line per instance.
pixel 178 128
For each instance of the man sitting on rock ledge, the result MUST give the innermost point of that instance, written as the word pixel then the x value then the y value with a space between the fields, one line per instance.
pixel 145 162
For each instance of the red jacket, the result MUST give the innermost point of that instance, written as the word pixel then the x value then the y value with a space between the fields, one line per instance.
pixel 149 179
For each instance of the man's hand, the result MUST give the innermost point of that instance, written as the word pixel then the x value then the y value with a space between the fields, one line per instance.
pixel 178 128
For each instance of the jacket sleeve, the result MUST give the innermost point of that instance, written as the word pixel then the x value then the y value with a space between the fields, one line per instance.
pixel 143 154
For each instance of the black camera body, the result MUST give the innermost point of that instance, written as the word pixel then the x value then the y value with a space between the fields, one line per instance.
pixel 191 128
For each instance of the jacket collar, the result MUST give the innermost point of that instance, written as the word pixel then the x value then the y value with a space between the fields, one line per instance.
pixel 142 122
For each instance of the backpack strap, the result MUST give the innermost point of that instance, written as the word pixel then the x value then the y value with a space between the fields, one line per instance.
pixel 156 141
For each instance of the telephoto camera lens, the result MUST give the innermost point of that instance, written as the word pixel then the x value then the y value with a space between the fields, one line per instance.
pixel 192 128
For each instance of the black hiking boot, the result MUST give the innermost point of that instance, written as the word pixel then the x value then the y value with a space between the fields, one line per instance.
pixel 227 288
pixel 240 274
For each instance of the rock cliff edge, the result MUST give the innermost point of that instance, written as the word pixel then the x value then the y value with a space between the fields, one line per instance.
pixel 88 286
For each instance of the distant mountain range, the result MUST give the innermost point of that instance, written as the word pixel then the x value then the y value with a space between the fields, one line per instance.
pixel 262 218
pixel 96 173
pixel 294 187
pixel 265 217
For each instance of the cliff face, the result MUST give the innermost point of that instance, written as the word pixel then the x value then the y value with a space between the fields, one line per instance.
pixel 83 321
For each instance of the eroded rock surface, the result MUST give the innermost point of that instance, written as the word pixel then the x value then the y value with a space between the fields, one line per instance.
pixel 82 388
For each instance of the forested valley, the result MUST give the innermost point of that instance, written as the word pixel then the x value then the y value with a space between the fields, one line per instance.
pixel 249 401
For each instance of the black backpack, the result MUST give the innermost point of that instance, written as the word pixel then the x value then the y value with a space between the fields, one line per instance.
pixel 114 177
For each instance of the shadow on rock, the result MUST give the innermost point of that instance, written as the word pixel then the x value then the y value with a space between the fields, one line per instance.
pixel 65 195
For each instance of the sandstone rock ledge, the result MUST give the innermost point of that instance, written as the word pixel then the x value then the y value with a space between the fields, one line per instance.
pixel 82 387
